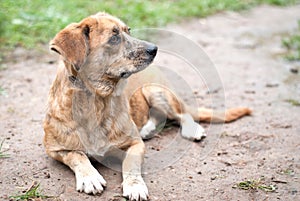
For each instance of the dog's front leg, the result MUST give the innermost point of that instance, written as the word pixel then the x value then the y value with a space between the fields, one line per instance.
pixel 88 179
pixel 134 186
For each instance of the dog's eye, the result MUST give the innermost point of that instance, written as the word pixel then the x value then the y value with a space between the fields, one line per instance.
pixel 115 39
pixel 116 30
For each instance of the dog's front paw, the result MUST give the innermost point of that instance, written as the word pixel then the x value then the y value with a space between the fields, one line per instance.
pixel 90 181
pixel 190 129
pixel 135 188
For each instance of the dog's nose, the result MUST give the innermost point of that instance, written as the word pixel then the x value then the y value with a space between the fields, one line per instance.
pixel 152 50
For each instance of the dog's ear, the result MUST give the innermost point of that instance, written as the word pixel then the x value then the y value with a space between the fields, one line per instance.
pixel 72 43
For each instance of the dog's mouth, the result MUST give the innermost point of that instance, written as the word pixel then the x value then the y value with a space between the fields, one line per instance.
pixel 125 75
pixel 128 71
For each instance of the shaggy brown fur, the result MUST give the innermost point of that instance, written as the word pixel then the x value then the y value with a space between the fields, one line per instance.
pixel 88 112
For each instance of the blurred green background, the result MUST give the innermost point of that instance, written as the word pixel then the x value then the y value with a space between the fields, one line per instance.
pixel 27 23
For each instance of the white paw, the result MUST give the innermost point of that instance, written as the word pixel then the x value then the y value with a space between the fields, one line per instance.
pixel 147 130
pixel 135 188
pixel 89 181
pixel 190 129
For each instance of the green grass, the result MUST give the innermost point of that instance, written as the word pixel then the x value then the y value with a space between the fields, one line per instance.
pixel 2 153
pixel 2 91
pixel 30 22
pixel 287 171
pixel 31 194
pixel 255 184
pixel 119 198
pixel 293 102
pixel 292 44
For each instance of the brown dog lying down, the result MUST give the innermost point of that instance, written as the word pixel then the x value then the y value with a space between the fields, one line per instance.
pixel 88 112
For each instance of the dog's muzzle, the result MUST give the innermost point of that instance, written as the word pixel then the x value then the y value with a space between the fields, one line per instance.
pixel 150 53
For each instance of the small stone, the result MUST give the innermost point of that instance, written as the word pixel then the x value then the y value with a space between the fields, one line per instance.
pixel 272 84
pixel 294 70
pixel 47 175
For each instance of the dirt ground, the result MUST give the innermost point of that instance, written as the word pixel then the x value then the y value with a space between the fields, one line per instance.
pixel 246 50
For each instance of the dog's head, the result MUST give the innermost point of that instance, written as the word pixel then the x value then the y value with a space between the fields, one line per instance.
pixel 100 51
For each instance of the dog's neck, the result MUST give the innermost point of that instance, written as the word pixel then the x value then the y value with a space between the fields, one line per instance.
pixel 104 86
pixel 120 87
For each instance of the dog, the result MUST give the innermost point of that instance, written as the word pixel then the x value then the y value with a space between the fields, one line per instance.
pixel 92 113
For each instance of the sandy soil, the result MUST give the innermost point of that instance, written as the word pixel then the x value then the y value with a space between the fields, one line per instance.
pixel 246 50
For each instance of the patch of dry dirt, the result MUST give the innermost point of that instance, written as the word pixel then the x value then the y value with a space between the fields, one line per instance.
pixel 246 49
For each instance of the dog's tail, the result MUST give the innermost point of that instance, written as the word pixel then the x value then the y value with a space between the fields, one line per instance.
pixel 210 115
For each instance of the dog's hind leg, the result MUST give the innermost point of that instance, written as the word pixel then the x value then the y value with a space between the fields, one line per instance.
pixel 191 129
pixel 148 130
pixel 145 116
pixel 140 114
pixel 167 105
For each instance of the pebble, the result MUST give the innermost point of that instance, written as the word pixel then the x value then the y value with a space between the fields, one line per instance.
pixel 272 84
pixel 294 70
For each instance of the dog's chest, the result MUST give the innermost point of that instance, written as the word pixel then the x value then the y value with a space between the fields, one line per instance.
pixel 101 124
